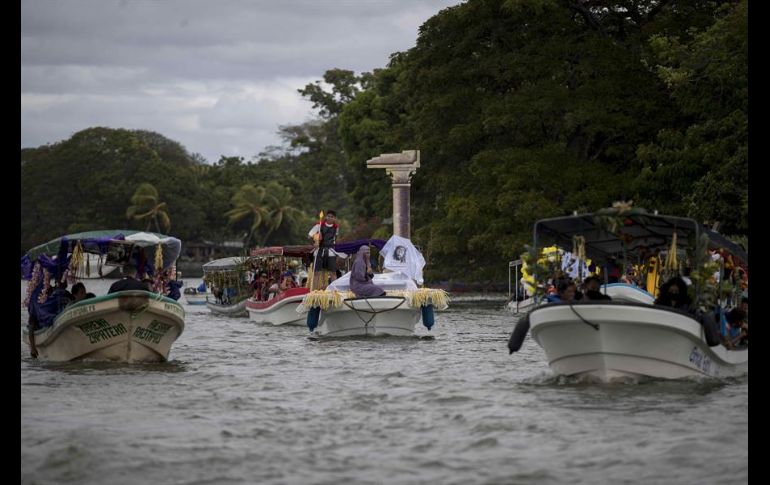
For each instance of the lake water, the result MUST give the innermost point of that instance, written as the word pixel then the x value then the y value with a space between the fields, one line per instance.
pixel 244 403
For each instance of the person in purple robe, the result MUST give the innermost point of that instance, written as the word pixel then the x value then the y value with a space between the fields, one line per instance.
pixel 361 276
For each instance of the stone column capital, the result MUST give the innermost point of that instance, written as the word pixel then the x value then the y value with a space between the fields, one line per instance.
pixel 400 167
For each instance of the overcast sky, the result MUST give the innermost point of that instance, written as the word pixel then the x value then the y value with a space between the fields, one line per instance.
pixel 218 76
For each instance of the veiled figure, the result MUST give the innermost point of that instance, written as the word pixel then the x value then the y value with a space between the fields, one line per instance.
pixel 361 276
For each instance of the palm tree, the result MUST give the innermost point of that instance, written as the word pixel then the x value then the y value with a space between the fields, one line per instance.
pixel 280 210
pixel 146 206
pixel 253 202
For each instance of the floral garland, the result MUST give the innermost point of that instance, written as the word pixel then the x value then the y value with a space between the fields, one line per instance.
pixel 46 281
pixel 37 273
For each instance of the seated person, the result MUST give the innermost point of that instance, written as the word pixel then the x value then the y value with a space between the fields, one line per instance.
pixel 173 289
pixel 218 293
pixel 361 276
pixel 287 281
pixel 78 292
pixel 591 286
pixel 129 281
pixel 566 290
pixel 45 313
pixel 273 290
pixel 61 290
pixel 259 285
pixel 227 295
pixel 737 329
pixel 673 293
pixel 201 288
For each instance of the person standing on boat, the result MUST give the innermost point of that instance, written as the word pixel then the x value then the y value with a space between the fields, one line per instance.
pixel 129 281
pixel 361 276
pixel 324 238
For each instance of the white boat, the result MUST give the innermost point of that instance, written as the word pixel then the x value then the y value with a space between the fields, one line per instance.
pixel 627 293
pixel 126 326
pixel 197 298
pixel 194 297
pixel 234 310
pixel 280 310
pixel 336 312
pixel 629 337
pixel 523 306
pixel 613 340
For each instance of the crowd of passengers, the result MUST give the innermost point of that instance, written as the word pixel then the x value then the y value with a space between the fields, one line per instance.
pixel 264 286
pixel 59 297
pixel 734 326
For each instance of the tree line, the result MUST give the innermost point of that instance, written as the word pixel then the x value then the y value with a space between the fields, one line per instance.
pixel 522 109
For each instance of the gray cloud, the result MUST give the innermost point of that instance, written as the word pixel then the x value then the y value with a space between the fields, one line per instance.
pixel 218 76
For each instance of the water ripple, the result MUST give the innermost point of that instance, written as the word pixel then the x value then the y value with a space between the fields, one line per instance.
pixel 245 403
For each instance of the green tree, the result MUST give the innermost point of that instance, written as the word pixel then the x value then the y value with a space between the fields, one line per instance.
pixel 281 212
pixel 251 204
pixel 699 165
pixel 146 206
pixel 521 110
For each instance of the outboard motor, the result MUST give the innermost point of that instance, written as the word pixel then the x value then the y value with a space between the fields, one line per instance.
pixel 518 335
pixel 710 328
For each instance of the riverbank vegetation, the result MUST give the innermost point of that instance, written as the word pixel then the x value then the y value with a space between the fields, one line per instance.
pixel 520 109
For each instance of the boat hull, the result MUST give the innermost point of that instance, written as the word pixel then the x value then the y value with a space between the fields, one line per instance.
pixel 383 316
pixel 522 307
pixel 631 341
pixel 127 326
pixel 627 293
pixel 281 310
pixel 236 310
pixel 197 299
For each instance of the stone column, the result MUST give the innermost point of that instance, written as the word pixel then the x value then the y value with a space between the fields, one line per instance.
pixel 401 167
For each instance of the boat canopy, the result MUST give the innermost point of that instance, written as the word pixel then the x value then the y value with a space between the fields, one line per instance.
pixel 636 232
pixel 234 263
pixel 290 251
pixel 347 247
pixel 351 247
pixel 123 246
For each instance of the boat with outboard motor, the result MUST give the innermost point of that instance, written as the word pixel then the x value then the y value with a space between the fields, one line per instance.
pixel 628 337
pixel 197 295
pixel 337 312
pixel 228 279
pixel 126 326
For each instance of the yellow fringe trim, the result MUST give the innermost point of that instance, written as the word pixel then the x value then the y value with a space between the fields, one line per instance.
pixel 324 299
pixel 415 298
